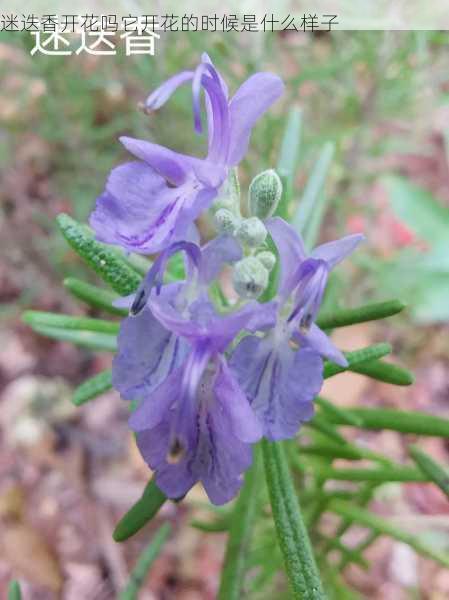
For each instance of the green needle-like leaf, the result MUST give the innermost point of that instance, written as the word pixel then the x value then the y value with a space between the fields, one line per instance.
pixel 369 312
pixel 356 357
pixel 89 339
pixel 378 474
pixel 105 261
pixel 431 468
pixel 383 527
pixel 292 534
pixel 146 559
pixel 383 371
pixel 330 408
pixel 94 296
pixel 325 428
pixel 36 318
pixel 348 451
pixel 288 159
pixel 314 187
pixel 399 420
pixel 141 513
pixel 14 592
pixel 92 388
pixel 218 526
pixel 240 532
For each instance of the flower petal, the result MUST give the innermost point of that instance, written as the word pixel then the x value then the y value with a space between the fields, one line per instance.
pixel 279 382
pixel 172 166
pixel 154 409
pixel 248 104
pixel 140 213
pixel 316 339
pixel 334 252
pixel 161 94
pixel 235 407
pixel 147 354
pixel 212 453
pixel 175 480
pixel 291 251
pixel 217 253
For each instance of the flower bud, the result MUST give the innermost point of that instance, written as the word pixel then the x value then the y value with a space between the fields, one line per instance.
pixel 252 232
pixel 265 192
pixel 268 259
pixel 225 221
pixel 250 277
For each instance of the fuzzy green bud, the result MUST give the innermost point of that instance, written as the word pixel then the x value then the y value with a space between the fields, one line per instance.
pixel 268 259
pixel 265 192
pixel 225 221
pixel 250 277
pixel 252 232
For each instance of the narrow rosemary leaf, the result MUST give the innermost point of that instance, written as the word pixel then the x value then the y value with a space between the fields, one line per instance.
pixel 368 312
pixel 47 319
pixel 107 262
pixel 379 474
pixel 310 495
pixel 348 451
pixel 332 451
pixel 218 526
pixel 288 159
pixel 93 387
pixel 330 408
pixel 146 559
pixel 312 229
pixel 89 339
pixel 383 371
pixel 431 468
pixel 292 534
pixel 356 357
pixel 140 513
pixel 383 527
pixel 240 533
pixel 399 420
pixel 94 296
pixel 326 428
pixel 314 186
pixel 14 591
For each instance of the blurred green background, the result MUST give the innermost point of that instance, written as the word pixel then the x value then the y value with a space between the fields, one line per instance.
pixel 382 98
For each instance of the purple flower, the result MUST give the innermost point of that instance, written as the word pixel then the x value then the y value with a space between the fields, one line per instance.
pixel 193 421
pixel 150 203
pixel 281 381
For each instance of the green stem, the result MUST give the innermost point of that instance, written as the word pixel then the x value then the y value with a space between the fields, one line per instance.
pixel 240 532
pixel 292 534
